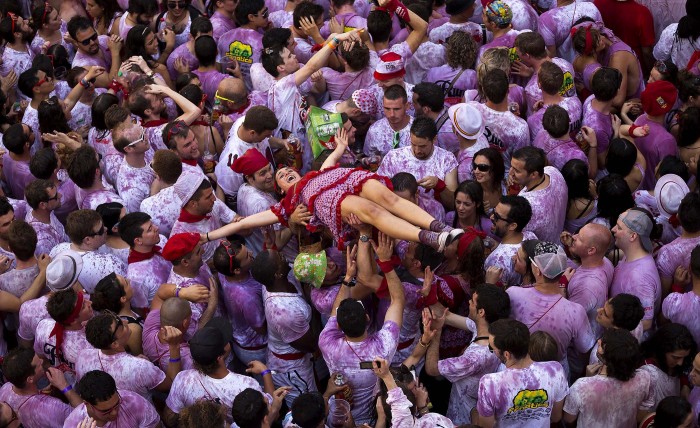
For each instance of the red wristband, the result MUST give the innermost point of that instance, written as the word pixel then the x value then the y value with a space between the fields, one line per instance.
pixel 563 282
pixel 632 128
pixel 439 187
pixel 386 266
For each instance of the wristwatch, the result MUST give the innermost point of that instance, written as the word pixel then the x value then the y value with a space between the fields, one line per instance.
pixel 364 238
pixel 350 283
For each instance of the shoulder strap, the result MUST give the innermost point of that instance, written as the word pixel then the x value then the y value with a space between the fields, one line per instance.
pixel 452 83
pixel 441 120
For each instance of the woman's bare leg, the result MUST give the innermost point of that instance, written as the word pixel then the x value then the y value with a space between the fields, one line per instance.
pixel 371 213
pixel 378 193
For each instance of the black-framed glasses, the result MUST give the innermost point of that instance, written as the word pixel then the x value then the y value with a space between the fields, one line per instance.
pixel 497 217
pixel 101 232
pixel 491 350
pixel 117 321
pixel 483 167
pixel 177 5
pixel 89 40
pixel 111 409
pixel 231 252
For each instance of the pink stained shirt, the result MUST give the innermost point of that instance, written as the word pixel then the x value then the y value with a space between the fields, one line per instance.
pixel 244 306
pixel 157 352
pixel 74 342
pixel 134 411
pixel 164 208
pixel 380 137
pixel 683 308
pixel 37 410
pixel 589 288
pixel 559 152
pixel 131 373
pixel 641 279
pixel 30 314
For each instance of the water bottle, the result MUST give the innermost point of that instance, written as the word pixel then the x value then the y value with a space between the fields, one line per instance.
pixel 294 156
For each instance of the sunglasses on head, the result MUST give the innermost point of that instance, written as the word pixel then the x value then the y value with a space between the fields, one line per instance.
pixel 177 5
pixel 483 167
pixel 231 252
pixel 265 13
pixel 661 67
pixel 13 17
pixel 47 10
pixel 177 127
pixel 89 40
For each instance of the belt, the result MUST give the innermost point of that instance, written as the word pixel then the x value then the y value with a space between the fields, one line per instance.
pixel 406 344
pixel 290 357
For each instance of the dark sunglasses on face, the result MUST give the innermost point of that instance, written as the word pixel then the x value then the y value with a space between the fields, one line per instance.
pixel 89 40
pixel 177 5
pixel 497 217
pixel 481 167
pixel 100 232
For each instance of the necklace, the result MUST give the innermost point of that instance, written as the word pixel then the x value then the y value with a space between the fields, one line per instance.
pixel 538 184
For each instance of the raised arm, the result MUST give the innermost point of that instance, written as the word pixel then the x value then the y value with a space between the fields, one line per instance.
pixel 74 95
pixel 191 111
pixel 341 141
pixel 418 26
pixel 350 272
pixel 320 58
pixel 384 250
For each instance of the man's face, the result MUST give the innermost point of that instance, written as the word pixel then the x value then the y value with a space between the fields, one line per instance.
pixel 149 235
pixel 384 84
pixel 156 103
pixel 395 111
pixel 422 148
pixel 195 259
pixel 694 375
pixel 519 261
pixel 205 203
pixel 5 222
pixel 518 172
pixel 622 233
pixel 45 84
pixel 86 312
pixel 54 198
pixel 264 179
pixel 245 258
pixel 580 243
pixel 289 61
pixel 604 315
pixel 121 330
pixel 126 285
pixel 497 352
pixel 98 236
pixel 333 272
pixel 257 138
pixel 88 36
pixel 229 6
pixel 675 358
pixel 472 307
pixel 260 19
pixel 105 411
pixel 500 220
pixel 187 147
pixel 38 368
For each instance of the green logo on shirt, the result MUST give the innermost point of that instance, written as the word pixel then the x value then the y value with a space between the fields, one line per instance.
pixel 529 399
pixel 241 52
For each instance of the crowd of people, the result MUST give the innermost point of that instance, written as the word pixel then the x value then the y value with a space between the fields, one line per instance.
pixel 349 213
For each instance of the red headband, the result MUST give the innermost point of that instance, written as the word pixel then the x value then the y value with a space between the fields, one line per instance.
pixel 589 38
pixel 469 235
pixel 60 327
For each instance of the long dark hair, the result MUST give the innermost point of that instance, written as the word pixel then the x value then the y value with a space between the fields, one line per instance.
pixel 472 189
pixel 689 25
pixel 669 338
pixel 51 117
pixel 135 43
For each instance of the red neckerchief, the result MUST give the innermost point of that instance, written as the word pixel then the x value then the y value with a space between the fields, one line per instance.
pixel 187 217
pixel 190 162
pixel 136 256
pixel 242 109
pixel 60 327
pixel 154 123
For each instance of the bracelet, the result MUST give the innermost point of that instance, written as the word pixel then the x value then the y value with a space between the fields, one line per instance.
pixel 85 84
pixel 177 290
pixel 385 266
pixel 420 342
pixel 175 360
pixel 265 372
pixel 208 240
pixel 66 389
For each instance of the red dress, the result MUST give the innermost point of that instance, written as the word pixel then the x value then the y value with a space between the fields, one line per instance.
pixel 323 192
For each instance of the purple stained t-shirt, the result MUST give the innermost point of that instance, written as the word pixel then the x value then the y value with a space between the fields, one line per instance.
pixel 559 152
pixel 504 130
pixel 601 123
pixel 641 279
pixel 245 46
pixel 589 288
pixel 147 276
pixel 683 308
pixel 674 254
pixel 444 75
pixel 548 207
pixel 533 93
pixel 590 399
pixel 129 372
pixel 36 410
pixel 344 357
pixel 244 306
pixel 523 398
pixel 157 352
pixel 566 321
pixel 555 25
pixel 572 105
pixel 134 411
pixel 183 52
pixel 381 137
pixel 658 144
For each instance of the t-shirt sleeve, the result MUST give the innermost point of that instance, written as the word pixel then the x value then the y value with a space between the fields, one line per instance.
pixel 458 368
pixel 175 400
pixel 485 403
pixel 671 306
pixel 152 375
pixel 149 416
pixel 296 324
pixel 546 30
pixel 584 339
pixel 561 389
pixel 572 405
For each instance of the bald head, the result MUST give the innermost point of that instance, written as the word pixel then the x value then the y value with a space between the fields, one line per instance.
pixel 597 236
pixel 233 89
pixel 174 312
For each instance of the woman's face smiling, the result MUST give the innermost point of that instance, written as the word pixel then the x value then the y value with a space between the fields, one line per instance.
pixel 286 177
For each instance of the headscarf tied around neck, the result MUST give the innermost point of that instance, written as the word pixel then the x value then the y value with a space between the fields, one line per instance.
pixel 469 235
pixel 60 327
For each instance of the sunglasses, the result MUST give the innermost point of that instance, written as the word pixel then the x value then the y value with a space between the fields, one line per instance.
pixel 219 97
pixel 117 320
pixel 265 13
pixel 101 232
pixel 135 142
pixel 483 167
pixel 177 5
pixel 46 79
pixel 111 409
pixel 497 217
pixel 231 252
pixel 89 40
pixel 177 127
